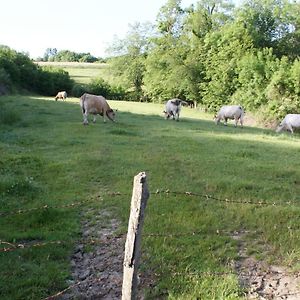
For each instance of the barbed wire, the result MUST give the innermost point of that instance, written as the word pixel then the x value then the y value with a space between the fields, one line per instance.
pixel 45 207
pixel 18 246
pixel 207 197
pixel 106 239
pixel 157 192
pixel 211 197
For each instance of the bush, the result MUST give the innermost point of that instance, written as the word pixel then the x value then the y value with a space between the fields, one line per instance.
pixel 5 83
pixel 100 87
pixel 78 90
pixel 18 71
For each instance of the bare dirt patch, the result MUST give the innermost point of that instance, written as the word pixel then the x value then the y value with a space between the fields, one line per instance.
pixel 261 280
pixel 97 268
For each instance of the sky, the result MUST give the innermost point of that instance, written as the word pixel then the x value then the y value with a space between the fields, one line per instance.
pixel 82 26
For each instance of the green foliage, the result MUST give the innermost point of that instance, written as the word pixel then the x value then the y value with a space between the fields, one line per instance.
pixel 18 71
pixel 211 53
pixel 52 54
pixel 53 80
pixel 216 54
pixel 78 90
pixel 129 66
pixel 224 49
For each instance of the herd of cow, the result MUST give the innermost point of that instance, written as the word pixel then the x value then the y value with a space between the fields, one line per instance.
pixel 97 105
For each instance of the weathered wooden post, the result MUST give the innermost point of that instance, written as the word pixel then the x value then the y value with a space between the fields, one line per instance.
pixel 140 195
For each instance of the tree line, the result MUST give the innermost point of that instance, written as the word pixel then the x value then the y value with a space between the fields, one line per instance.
pixel 52 54
pixel 18 74
pixel 214 53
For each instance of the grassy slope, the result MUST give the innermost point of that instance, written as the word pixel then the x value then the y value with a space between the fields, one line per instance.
pixel 80 72
pixel 48 157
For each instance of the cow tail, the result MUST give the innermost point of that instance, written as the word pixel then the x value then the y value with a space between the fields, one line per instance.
pixel 82 99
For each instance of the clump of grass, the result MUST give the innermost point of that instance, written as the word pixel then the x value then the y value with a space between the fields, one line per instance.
pixel 9 117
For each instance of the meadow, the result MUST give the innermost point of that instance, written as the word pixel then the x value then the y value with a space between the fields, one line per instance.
pixel 48 158
pixel 81 72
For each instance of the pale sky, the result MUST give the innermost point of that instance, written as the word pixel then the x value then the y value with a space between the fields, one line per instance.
pixel 32 26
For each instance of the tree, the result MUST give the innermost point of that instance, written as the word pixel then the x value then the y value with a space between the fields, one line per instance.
pixel 273 24
pixel 129 61
pixel 50 53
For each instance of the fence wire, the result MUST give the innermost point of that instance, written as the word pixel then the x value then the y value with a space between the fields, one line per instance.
pixel 46 206
pixel 19 246
pixel 8 247
pixel 211 197
pixel 156 193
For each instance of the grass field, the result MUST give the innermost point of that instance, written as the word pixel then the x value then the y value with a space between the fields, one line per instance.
pixel 81 72
pixel 49 158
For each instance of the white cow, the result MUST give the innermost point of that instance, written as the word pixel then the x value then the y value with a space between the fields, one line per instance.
pixel 226 112
pixel 95 105
pixel 290 122
pixel 173 108
pixel 61 95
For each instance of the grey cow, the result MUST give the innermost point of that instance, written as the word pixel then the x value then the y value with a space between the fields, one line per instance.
pixel 173 108
pixel 290 122
pixel 233 112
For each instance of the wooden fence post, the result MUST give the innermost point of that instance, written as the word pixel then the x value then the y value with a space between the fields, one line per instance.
pixel 140 195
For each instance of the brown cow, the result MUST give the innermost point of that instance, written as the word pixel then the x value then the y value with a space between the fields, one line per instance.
pixel 95 105
pixel 61 95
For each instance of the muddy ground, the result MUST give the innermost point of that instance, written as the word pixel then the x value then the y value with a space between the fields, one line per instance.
pixel 97 267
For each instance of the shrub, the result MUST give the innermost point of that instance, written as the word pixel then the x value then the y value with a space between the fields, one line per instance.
pixel 78 90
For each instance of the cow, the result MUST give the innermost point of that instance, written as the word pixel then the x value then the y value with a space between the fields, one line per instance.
pixel 173 108
pixel 290 122
pixel 61 95
pixel 189 103
pixel 95 105
pixel 226 112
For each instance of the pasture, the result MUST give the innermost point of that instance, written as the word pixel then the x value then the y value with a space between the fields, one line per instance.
pixel 81 72
pixel 48 158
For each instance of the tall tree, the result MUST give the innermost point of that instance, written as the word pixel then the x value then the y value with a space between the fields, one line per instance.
pixel 273 24
pixel 129 54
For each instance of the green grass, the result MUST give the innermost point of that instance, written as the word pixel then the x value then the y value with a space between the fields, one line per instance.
pixel 49 158
pixel 81 72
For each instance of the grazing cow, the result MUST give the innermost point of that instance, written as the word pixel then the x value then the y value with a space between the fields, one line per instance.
pixel 290 122
pixel 190 103
pixel 61 95
pixel 95 105
pixel 226 112
pixel 173 108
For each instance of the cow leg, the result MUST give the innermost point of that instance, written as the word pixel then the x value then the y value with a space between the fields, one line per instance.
pixel 85 119
pixel 225 121
pixel 236 121
pixel 290 128
pixel 94 119
pixel 242 122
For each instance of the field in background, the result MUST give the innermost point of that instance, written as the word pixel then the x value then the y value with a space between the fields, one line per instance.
pixel 49 158
pixel 80 72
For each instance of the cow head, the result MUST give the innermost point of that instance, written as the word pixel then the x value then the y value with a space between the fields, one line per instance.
pixel 167 115
pixel 280 127
pixel 111 115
